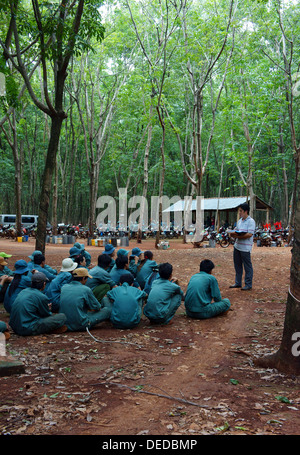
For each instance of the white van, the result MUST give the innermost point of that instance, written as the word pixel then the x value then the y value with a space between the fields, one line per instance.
pixel 27 220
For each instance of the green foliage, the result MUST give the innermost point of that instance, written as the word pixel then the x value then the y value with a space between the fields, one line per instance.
pixel 109 54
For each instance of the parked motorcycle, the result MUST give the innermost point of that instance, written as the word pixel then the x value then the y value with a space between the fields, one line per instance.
pixel 224 239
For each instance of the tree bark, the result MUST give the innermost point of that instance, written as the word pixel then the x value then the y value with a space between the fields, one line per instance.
pixel 56 123
pixel 13 142
pixel 287 358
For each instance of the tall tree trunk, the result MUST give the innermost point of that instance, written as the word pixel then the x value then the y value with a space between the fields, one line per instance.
pixel 287 359
pixel 13 142
pixel 146 175
pixel 54 200
pixel 162 178
pixel 46 186
pixel 18 179
pixel 93 198
pixel 285 209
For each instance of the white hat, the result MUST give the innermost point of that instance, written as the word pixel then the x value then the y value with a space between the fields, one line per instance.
pixel 68 265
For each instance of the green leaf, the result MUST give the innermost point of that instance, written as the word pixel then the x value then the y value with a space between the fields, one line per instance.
pixel 282 399
pixel 234 381
pixel 224 427
pixel 54 395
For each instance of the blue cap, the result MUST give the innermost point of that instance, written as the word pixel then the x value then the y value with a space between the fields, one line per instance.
pixel 109 249
pixel 79 245
pixel 21 266
pixel 122 252
pixel 35 253
pixel 74 252
pixel 136 252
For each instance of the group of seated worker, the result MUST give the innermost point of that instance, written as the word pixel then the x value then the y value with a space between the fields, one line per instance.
pixel 120 288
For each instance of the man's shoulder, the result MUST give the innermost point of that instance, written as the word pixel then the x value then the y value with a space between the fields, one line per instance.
pixel 251 222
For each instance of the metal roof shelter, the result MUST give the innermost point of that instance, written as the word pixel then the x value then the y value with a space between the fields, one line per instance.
pixel 228 204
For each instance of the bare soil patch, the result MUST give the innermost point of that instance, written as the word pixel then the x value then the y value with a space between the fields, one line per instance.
pixel 188 378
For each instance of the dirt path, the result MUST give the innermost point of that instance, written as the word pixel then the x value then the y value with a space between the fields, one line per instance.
pixel 187 378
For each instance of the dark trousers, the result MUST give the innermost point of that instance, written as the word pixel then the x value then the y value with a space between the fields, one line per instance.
pixel 242 260
pixel 48 324
pixel 3 291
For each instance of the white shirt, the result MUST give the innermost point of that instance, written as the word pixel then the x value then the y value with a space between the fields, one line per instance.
pixel 245 226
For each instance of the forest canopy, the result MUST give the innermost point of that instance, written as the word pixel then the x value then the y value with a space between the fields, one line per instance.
pixel 181 97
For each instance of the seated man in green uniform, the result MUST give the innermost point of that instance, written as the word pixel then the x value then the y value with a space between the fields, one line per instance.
pixel 86 254
pixel 120 252
pixel 6 276
pixel 144 268
pixel 203 298
pixel 39 263
pixel 4 270
pixel 120 269
pixel 101 281
pixel 31 313
pixel 135 260
pixel 65 276
pixel 164 298
pixel 21 280
pixel 127 303
pixel 46 266
pixel 79 304
pixel 109 249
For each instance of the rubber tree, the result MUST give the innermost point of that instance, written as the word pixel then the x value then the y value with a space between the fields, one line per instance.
pixel 287 358
pixel 158 45
pixel 57 30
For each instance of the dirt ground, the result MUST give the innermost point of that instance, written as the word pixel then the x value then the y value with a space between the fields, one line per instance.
pixel 189 378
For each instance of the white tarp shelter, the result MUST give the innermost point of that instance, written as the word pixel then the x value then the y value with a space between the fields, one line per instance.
pixel 227 204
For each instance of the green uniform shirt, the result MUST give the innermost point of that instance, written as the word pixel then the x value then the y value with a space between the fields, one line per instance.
pixel 25 282
pixel 144 272
pixel 159 299
pixel 127 305
pixel 54 288
pixel 46 267
pixel 116 274
pixel 201 290
pixel 100 276
pixel 76 300
pixel 29 307
pixel 6 271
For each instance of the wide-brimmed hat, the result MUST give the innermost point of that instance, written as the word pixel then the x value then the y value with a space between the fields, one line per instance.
pixel 80 246
pixel 109 248
pixel 122 252
pixel 68 265
pixel 35 253
pixel 4 255
pixel 2 261
pixel 136 252
pixel 74 252
pixel 82 272
pixel 39 277
pixel 21 266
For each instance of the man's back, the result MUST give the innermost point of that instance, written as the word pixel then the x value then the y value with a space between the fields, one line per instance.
pixel 100 276
pixel 126 309
pixel 75 301
pixel 202 289
pixel 29 306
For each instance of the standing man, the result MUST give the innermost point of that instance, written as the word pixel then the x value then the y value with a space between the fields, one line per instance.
pixel 243 234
